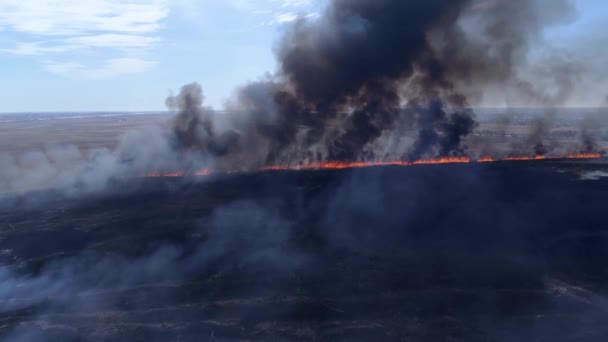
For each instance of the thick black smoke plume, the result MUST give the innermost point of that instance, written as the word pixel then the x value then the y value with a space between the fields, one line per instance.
pixel 368 68
pixel 364 72
pixel 193 125
pixel 367 79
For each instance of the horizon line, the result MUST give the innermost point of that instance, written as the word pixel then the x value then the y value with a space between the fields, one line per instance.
pixel 167 111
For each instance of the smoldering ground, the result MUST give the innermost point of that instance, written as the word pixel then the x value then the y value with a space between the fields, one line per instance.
pixel 98 280
pixel 506 253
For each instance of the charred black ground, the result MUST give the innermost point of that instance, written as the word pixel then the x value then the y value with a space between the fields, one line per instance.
pixel 500 252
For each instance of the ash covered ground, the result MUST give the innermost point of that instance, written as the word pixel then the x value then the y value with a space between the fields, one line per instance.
pixel 492 252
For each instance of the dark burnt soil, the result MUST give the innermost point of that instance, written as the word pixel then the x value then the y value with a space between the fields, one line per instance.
pixel 497 252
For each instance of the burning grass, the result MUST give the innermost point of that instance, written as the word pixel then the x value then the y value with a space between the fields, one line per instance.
pixel 337 165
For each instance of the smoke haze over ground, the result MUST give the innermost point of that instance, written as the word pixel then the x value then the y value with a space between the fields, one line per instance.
pixel 366 80
pixel 507 252
pixel 358 74
pixel 94 246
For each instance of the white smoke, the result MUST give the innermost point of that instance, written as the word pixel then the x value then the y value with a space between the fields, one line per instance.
pixel 74 172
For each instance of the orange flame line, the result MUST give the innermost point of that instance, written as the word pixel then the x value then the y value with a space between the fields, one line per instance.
pixel 458 160
pixel 585 156
pixel 525 158
pixel 335 165
pixel 486 160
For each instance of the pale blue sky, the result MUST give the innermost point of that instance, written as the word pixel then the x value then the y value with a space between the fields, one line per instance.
pixel 111 55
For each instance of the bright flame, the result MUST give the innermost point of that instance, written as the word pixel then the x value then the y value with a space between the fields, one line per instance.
pixel 585 156
pixel 450 160
pixel 203 172
pixel 332 165
pixel 486 160
pixel 335 165
pixel 524 158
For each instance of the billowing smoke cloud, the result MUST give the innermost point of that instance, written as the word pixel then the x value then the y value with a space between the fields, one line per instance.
pixel 587 139
pixel 433 118
pixel 363 73
pixel 549 85
pixel 367 69
pixel 193 126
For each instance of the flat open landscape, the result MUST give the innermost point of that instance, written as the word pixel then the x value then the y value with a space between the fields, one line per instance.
pixel 22 132
pixel 34 132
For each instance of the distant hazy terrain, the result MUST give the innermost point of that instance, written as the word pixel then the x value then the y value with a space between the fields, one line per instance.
pixel 31 131
pixel 22 132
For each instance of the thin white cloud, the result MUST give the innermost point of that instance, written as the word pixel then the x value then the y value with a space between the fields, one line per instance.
pixel 114 41
pixel 263 13
pixel 287 17
pixel 287 11
pixel 35 48
pixel 75 17
pixel 94 28
pixel 72 33
pixel 297 3
pixel 109 69
pixel 247 5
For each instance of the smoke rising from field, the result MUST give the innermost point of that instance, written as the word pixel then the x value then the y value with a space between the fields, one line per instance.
pixel 76 173
pixel 350 84
pixel 193 125
pixel 240 236
pixel 363 74
pixel 367 69
pixel 275 254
